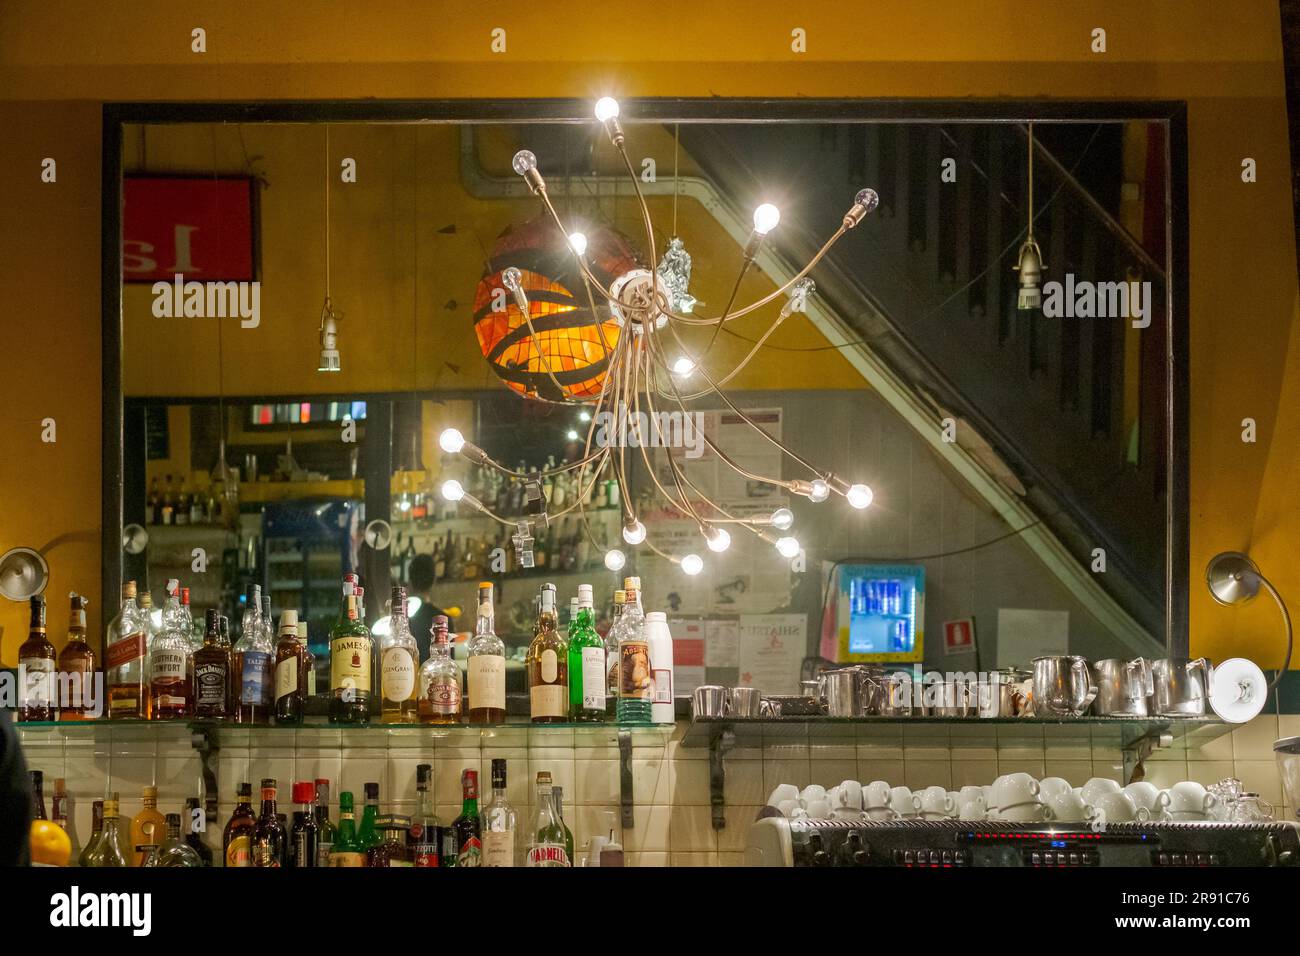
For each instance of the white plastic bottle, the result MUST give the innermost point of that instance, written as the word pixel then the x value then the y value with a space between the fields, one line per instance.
pixel 660 640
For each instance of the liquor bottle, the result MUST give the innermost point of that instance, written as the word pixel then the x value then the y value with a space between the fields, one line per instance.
pixel 188 625
pixel 212 671
pixel 38 794
pixel 290 671
pixel 636 679
pixel 173 851
pixel 467 826
pixel 96 834
pixel 77 662
pixel 153 504
pixel 124 661
pixel 237 840
pixel 557 796
pixel 546 846
pixel 439 679
pixel 36 669
pixel 107 850
pixel 426 829
pixel 659 640
pixel 251 683
pixel 148 827
pixel 325 829
pixel 269 844
pixel 350 650
pixel 392 849
pixel 548 665
pixel 148 624
pixel 611 652
pixel 346 851
pixel 171 690
pixel 59 803
pixel 304 835
pixel 308 661
pixel 399 657
pixel 368 833
pixel 487 665
pixel 587 671
pixel 499 821
pixel 192 839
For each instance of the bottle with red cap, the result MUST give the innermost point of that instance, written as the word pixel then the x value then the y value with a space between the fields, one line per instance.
pixel 304 833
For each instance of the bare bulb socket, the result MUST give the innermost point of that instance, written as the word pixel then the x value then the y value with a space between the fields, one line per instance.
pixel 615 130
pixel 535 181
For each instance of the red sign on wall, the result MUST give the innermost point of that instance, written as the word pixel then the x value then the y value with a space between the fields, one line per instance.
pixel 959 636
pixel 198 227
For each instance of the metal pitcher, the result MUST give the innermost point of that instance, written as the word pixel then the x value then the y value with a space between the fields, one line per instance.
pixel 896 695
pixel 844 692
pixel 1124 688
pixel 1181 686
pixel 1063 686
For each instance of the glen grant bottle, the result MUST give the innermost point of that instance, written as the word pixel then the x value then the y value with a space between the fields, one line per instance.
pixel 350 662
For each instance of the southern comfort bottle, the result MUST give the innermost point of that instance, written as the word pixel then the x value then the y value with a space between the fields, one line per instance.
pixel 487 665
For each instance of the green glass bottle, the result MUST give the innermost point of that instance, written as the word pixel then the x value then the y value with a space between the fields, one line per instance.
pixel 587 671
pixel 346 851
pixel 351 649
pixel 368 834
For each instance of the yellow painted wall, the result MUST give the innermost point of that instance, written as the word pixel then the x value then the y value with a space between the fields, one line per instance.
pixel 1225 60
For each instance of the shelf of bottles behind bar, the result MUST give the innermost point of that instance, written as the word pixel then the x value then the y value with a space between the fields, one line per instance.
pixel 177 671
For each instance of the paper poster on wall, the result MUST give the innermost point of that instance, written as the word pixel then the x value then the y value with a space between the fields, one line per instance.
pixel 1025 634
pixel 721 643
pixel 771 651
pixel 688 654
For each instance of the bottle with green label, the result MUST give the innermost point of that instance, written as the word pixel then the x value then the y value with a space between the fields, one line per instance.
pixel 346 851
pixel 587 670
pixel 350 661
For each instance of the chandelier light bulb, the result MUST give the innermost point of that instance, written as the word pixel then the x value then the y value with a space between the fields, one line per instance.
pixel 578 242
pixel 606 108
pixel 683 366
pixel 524 161
pixel 787 546
pixel 859 496
pixel 719 539
pixel 766 217
pixel 820 490
pixel 451 441
pixel 615 559
pixel 452 490
pixel 782 519
pixel 692 564
pixel 634 532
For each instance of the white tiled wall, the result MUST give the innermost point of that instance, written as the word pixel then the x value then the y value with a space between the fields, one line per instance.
pixel 671 782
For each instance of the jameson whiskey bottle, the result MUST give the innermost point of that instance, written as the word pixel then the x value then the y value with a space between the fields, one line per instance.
pixel 439 679
pixel 36 669
pixel 77 662
pixel 125 663
pixel 399 657
pixel 487 665
pixel 212 671
pixel 587 671
pixel 350 650
pixel 467 826
pixel 548 665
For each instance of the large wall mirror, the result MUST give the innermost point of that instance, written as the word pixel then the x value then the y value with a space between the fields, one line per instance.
pixel 1023 441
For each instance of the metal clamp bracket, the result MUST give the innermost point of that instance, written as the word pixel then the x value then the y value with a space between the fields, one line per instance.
pixel 719 743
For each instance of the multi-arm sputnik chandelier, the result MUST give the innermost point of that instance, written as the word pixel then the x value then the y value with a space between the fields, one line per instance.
pixel 650 305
